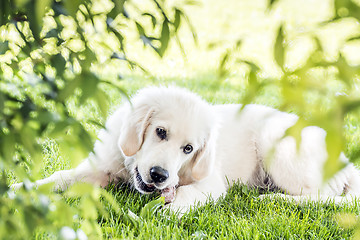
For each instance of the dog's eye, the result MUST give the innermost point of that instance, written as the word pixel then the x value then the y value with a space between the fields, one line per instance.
pixel 188 149
pixel 161 133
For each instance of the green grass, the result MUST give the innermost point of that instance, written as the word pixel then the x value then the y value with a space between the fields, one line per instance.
pixel 241 214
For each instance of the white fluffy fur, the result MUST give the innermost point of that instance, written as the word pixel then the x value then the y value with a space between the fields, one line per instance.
pixel 229 146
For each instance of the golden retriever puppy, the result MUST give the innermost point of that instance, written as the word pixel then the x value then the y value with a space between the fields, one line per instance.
pixel 171 141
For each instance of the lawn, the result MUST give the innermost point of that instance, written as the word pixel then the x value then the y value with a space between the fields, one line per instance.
pixel 238 215
pixel 241 214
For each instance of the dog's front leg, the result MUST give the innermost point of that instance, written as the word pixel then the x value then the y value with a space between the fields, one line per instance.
pixel 198 193
pixel 85 172
pixel 60 180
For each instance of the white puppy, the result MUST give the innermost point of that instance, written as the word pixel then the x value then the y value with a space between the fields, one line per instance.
pixel 170 140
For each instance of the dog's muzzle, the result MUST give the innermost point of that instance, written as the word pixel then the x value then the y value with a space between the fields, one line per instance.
pixel 159 175
pixel 143 187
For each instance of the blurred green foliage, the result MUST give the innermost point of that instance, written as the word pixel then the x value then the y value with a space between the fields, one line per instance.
pixel 304 89
pixel 48 52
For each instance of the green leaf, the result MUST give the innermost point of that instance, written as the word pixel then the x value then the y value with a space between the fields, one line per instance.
pixel 153 18
pixel 177 20
pixel 64 213
pixel 69 89
pixel 150 208
pixel 96 123
pixel 318 43
pixel 5 11
pixel 292 91
pixel 86 142
pixel 118 8
pixel 350 105
pixel 72 6
pixel 334 147
pixel 253 79
pixel 88 207
pixel 4 46
pixel 254 85
pixel 3 184
pixel 42 6
pixel 31 217
pixel 20 4
pixel 222 71
pixel 33 21
pixel 2 104
pixel 53 33
pixel 296 130
pixel 102 101
pixel 148 41
pixel 354 155
pixel 164 38
pixel 119 37
pixel 59 128
pixel 8 143
pixel 346 72
pixel 346 8
pixel 140 29
pixel 89 57
pixel 347 220
pixel 354 38
pixel 193 2
pixel 79 189
pixel 59 63
pixel 253 67
pixel 271 4
pixel 279 52
pixel 132 219
pixel 35 11
pixel 27 140
pixel 89 82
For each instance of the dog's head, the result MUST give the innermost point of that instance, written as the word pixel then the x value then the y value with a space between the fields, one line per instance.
pixel 168 135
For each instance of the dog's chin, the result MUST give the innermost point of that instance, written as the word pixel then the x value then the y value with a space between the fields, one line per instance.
pixel 141 186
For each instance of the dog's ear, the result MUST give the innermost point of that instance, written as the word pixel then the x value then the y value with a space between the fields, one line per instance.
pixel 204 159
pixel 133 129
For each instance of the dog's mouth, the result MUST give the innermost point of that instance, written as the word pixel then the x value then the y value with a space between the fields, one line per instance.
pixel 143 187
pixel 168 193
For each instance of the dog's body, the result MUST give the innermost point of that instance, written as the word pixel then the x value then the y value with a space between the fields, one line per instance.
pixel 171 140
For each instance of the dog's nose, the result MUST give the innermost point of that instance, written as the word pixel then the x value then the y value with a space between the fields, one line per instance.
pixel 158 174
